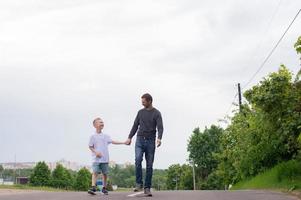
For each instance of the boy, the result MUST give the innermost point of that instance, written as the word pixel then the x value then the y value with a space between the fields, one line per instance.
pixel 98 145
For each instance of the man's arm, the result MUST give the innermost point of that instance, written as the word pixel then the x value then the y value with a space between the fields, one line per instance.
pixel 160 128
pixel 134 127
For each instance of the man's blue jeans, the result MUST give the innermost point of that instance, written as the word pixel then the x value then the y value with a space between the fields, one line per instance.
pixel 145 146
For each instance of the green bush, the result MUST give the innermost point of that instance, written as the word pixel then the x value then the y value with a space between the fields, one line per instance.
pixel 109 186
pixel 288 170
pixel 41 175
pixel 62 178
pixel 83 180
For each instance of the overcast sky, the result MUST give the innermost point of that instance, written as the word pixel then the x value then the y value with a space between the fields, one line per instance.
pixel 65 62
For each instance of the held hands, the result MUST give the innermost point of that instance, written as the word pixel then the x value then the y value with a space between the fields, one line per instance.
pixel 128 141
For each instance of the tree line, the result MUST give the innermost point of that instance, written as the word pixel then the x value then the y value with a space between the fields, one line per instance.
pixel 63 178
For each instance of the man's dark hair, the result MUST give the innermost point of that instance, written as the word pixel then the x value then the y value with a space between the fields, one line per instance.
pixel 147 97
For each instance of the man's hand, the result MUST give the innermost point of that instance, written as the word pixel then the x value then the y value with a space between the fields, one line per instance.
pixel 128 141
pixel 158 142
pixel 98 154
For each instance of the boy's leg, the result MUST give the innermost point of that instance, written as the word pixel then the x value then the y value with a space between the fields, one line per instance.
pixel 105 170
pixel 95 168
pixel 94 179
pixel 104 180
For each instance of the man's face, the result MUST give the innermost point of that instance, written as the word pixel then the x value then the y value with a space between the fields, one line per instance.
pixel 99 124
pixel 145 103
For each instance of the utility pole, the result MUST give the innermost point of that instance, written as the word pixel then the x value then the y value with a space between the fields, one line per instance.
pixel 193 175
pixel 15 181
pixel 176 180
pixel 239 96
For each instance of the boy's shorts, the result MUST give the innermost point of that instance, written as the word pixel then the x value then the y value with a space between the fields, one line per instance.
pixel 100 168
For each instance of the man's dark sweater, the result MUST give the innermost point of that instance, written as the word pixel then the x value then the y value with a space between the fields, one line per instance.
pixel 148 121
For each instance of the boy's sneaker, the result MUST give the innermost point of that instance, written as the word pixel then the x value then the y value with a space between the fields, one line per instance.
pixel 92 190
pixel 147 192
pixel 138 188
pixel 105 191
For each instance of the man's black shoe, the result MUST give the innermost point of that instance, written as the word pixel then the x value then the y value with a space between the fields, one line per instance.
pixel 147 192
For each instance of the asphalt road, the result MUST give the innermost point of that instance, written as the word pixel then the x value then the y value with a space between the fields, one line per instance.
pixel 164 195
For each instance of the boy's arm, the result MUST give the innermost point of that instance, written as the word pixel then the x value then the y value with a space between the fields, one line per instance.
pixel 98 154
pixel 117 142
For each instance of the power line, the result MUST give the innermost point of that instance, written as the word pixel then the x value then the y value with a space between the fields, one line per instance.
pixel 265 33
pixel 266 59
pixel 272 51
pixel 257 47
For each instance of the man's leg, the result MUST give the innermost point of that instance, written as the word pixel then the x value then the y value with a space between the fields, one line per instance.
pixel 149 157
pixel 138 163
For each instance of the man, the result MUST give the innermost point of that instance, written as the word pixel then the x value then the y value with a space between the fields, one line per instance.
pixel 147 122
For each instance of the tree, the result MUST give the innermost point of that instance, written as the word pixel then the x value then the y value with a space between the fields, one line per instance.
pixel 159 179
pixel 123 176
pixel 186 179
pixel 61 178
pixel 179 177
pixel 83 180
pixel 298 49
pixel 1 171
pixel 41 175
pixel 202 147
pixel 277 99
pixel 266 132
pixel 298 45
pixel 173 177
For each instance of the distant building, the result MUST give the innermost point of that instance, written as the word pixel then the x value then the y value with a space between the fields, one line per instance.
pixel 22 180
pixel 18 165
pixel 52 165
pixel 8 183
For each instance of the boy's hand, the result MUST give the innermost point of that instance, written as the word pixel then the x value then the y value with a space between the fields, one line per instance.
pixel 158 142
pixel 98 154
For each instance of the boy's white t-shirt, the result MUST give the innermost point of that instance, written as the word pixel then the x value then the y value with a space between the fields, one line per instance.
pixel 100 142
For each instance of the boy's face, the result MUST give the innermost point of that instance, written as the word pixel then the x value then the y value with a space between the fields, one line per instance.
pixel 98 124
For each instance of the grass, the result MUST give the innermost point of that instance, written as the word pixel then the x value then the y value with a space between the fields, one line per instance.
pixel 28 187
pixel 285 176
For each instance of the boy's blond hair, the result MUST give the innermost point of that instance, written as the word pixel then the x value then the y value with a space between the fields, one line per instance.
pixel 97 118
